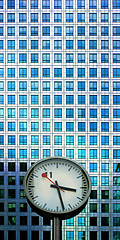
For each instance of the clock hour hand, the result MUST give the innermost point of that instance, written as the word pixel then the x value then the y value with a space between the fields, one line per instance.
pixel 64 188
pixel 44 175
pixel 59 194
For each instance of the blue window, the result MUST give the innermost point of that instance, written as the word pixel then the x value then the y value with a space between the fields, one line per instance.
pixel 46 86
pixel 57 4
pixel 116 140
pixel 11 99
pixel 11 31
pixel 34 17
pixel 22 31
pixel 116 99
pixel 105 153
pixel 93 167
pixel 104 140
pixel 11 126
pixel 46 72
pixel 92 58
pixel 2 126
pixel 104 4
pixel 81 99
pixel 46 44
pixel 116 113
pixel 81 221
pixel 105 167
pixel 11 44
pixel 34 126
pixel 34 4
pixel 116 4
pixel 81 57
pixel 92 17
pixel 81 153
pixel 45 4
pixel 58 152
pixel 57 31
pixel 46 31
pixel 34 86
pixel 92 44
pixel 34 112
pixel 23 126
pixel 1 31
pixel 69 57
pixel 34 31
pixel 93 153
pixel 69 44
pixel 34 44
pixel 80 4
pixel 22 72
pixel 81 31
pixel 57 113
pixel 104 44
pixel 70 222
pixel 58 127
pixel 1 4
pixel 104 31
pixel 105 181
pixel 81 17
pixel 22 44
pixel 23 140
pixel 70 153
pixel 81 113
pixel 57 17
pixel 116 127
pixel 105 59
pixel 92 4
pixel 116 31
pixel 22 17
pixel 105 126
pixel 11 140
pixel 46 17
pixel 1 99
pixel 22 4
pixel 10 4
pixel 93 140
pixel 69 72
pixel 104 72
pixel 69 31
pixel 23 153
pixel 57 44
pixel 57 99
pixel 11 153
pixel 69 86
pixel 34 72
pixel 69 4
pixel 104 17
pixel 11 17
pixel 116 154
pixel 46 140
pixel 1 153
pixel 22 57
pixel 1 139
pixel 69 17
pixel 105 113
pixel 34 99
pixel 116 17
pixel 92 72
pixel 1 58
pixel 92 31
pixel 46 126
pixel 11 72
pixel 116 86
pixel 46 153
pixel 94 180
pixel 116 58
pixel 116 72
pixel 116 44
pixel 105 99
pixel 11 112
pixel 58 140
pixel 93 113
pixel 93 126
pixel 22 113
pixel 81 126
pixel 81 72
pixel 69 126
pixel 93 99
pixel 69 113
pixel 69 140
pixel 93 86
pixel 1 17
pixel 46 112
pixel 81 140
pixel 81 44
pixel 1 86
pixel 34 57
pixel 57 72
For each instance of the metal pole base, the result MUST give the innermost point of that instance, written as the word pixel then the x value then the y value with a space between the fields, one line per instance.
pixel 57 229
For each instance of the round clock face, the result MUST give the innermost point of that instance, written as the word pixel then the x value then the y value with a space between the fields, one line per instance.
pixel 57 187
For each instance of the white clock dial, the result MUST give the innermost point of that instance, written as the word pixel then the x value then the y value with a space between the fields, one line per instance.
pixel 57 186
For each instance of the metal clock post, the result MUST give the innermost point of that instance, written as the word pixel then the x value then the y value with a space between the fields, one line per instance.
pixel 57 188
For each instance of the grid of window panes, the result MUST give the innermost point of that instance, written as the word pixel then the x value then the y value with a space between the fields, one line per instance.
pixel 60 96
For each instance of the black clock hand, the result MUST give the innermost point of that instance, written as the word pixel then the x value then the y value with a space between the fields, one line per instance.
pixel 64 188
pixel 59 194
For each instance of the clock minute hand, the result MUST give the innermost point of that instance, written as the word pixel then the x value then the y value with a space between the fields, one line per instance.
pixel 64 188
pixel 44 175
pixel 59 194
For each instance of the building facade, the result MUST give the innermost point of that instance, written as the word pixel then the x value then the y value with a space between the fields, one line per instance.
pixel 60 96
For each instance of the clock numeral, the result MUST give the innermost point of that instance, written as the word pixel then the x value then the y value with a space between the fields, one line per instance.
pixel 49 174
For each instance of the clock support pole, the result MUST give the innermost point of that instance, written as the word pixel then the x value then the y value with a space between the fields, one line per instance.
pixel 56 228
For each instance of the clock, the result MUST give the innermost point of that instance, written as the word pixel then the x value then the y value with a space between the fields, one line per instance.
pixel 57 186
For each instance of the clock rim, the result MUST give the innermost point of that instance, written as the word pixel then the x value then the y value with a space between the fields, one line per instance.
pixel 51 214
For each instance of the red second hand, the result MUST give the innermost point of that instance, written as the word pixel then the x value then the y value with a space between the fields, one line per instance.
pixel 44 175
